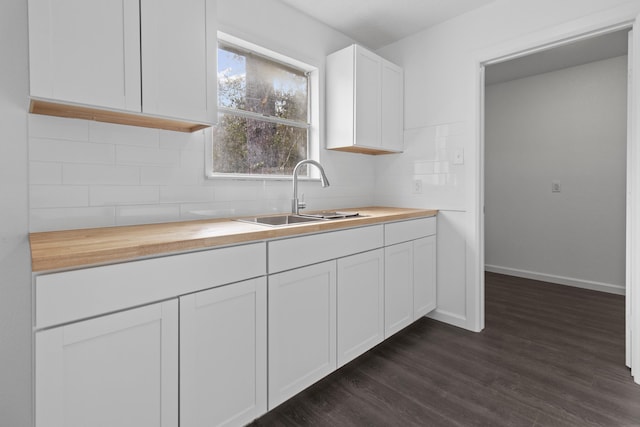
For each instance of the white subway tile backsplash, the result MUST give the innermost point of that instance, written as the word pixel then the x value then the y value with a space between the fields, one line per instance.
pixel 90 174
pixel 73 174
pixel 58 128
pixel 184 194
pixel 58 196
pixel 123 135
pixel 193 141
pixel 220 210
pixel 44 173
pixel 151 175
pixel 423 167
pixel 111 195
pixel 130 155
pixel 192 160
pixel 58 150
pixel 441 167
pixel 71 218
pixel 241 190
pixel 129 215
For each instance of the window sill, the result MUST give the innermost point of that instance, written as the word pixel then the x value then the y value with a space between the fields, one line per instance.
pixel 247 177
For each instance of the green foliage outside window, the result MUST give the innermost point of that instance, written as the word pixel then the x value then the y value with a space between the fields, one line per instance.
pixel 263 125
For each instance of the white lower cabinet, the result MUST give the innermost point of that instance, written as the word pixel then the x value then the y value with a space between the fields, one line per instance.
pixel 302 329
pixel 360 300
pixel 231 342
pixel 424 276
pixel 114 370
pixel 410 282
pixel 398 290
pixel 223 355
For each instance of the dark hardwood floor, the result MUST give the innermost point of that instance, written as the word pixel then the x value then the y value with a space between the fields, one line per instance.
pixel 549 355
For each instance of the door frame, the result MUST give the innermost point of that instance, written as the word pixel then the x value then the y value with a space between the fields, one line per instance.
pixel 612 20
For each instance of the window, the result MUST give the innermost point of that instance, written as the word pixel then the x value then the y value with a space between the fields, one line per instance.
pixel 264 125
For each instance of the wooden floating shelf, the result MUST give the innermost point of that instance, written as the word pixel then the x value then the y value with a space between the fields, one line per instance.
pixel 49 108
pixel 363 150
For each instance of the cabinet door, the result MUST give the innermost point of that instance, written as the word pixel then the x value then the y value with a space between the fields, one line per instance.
pixel 360 308
pixel 367 98
pixel 114 370
pixel 86 51
pixel 302 329
pixel 398 291
pixel 424 276
pixel 223 355
pixel 179 50
pixel 392 105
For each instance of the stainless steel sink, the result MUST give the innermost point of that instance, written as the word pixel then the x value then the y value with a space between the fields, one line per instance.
pixel 281 220
pixel 332 215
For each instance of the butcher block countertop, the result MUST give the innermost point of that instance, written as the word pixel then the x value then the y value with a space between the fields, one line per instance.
pixel 55 250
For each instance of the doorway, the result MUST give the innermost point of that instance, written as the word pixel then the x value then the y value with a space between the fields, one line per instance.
pixel 562 179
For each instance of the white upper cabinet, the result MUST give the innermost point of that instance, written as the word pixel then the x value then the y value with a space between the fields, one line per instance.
pixel 364 102
pixel 103 59
pixel 178 59
pixel 392 103
pixel 86 51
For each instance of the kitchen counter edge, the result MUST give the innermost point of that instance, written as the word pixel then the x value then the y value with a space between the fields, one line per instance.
pixel 80 248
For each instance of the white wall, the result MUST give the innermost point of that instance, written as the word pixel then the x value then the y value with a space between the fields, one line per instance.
pixel 89 174
pixel 441 90
pixel 567 126
pixel 15 274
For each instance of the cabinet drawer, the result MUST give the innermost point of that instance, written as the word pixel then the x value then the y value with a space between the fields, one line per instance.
pixel 403 231
pixel 72 295
pixel 305 250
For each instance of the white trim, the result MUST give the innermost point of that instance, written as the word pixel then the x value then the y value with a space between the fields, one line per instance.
pixel 263 117
pixel 559 43
pixel 633 189
pixel 448 317
pixel 268 53
pixel 628 201
pixel 559 280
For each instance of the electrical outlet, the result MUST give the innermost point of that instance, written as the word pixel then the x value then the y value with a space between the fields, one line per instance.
pixel 458 156
pixel 417 186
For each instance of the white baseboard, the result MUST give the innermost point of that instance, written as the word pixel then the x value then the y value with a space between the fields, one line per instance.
pixel 560 280
pixel 450 318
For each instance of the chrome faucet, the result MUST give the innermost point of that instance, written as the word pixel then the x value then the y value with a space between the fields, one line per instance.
pixel 295 204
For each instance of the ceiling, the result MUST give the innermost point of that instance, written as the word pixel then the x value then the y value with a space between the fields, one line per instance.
pixel 568 55
pixel 377 23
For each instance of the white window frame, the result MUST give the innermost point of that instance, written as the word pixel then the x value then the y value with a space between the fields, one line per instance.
pixel 313 142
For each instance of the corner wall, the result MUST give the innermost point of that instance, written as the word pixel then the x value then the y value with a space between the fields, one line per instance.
pixel 15 261
pixel 567 126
